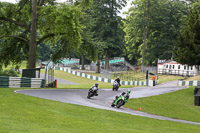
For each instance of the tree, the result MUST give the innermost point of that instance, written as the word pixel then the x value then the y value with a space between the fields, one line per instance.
pixel 188 43
pixel 108 27
pixel 88 45
pixel 159 22
pixel 45 51
pixel 50 22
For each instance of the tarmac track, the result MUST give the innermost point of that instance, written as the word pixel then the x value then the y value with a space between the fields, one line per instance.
pixel 106 96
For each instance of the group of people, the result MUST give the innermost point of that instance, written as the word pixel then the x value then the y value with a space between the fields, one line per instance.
pixel 125 94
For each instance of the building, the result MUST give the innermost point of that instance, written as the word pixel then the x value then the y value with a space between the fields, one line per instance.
pixel 175 68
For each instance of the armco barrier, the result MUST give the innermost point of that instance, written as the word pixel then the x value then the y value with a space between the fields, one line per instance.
pixel 19 82
pixel 188 83
pixel 136 83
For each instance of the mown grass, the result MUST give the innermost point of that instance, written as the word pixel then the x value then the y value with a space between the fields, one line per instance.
pixel 178 104
pixel 84 83
pixel 195 78
pixel 125 75
pixel 25 114
pixel 166 78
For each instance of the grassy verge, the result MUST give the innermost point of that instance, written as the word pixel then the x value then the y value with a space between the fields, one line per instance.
pixel 84 83
pixel 179 104
pixel 165 78
pixel 25 114
pixel 195 78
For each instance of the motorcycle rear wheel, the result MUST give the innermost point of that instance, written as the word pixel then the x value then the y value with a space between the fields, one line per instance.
pixel 120 103
pixel 112 105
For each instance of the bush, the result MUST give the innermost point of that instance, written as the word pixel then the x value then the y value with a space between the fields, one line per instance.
pixel 12 72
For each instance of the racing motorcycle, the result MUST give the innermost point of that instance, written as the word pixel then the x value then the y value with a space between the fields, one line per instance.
pixel 119 101
pixel 92 92
pixel 115 86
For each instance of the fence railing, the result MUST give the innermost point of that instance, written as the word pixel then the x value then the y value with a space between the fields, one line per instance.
pixel 177 72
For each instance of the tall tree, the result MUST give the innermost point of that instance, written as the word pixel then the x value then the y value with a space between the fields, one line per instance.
pixel 107 29
pixel 188 43
pixel 36 21
pixel 164 19
pixel 88 45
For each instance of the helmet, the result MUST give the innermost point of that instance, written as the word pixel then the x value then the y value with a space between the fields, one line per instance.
pixel 96 84
pixel 128 91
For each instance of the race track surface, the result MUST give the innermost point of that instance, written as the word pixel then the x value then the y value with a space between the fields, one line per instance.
pixel 105 98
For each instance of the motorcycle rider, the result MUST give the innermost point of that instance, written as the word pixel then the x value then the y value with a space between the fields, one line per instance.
pixel 118 81
pixel 94 88
pixel 125 94
pixel 128 94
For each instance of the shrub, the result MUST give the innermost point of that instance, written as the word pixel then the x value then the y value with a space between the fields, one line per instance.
pixel 12 72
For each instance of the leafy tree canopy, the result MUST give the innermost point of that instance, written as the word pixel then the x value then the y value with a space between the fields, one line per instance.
pixel 163 25
pixel 188 43
pixel 55 23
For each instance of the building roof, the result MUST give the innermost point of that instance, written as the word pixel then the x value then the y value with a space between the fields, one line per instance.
pixel 167 62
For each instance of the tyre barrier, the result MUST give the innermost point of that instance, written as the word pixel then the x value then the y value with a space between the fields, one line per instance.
pixel 135 83
pixel 19 82
pixel 188 83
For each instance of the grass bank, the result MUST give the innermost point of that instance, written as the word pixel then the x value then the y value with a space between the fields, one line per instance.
pixel 178 104
pixel 25 114
pixel 166 78
pixel 84 83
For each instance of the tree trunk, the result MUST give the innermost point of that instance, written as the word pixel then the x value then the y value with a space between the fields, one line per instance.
pixel 82 62
pixel 33 44
pixel 107 61
pixel 145 34
pixel 98 64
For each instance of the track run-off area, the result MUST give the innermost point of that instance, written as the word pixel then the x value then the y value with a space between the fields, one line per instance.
pixel 106 96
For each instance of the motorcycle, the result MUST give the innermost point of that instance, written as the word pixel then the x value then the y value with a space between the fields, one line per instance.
pixel 115 86
pixel 92 92
pixel 119 101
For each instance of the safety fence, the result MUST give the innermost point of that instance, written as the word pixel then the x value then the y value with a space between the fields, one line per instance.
pixel 187 73
pixel 19 82
pixel 188 83
pixel 107 80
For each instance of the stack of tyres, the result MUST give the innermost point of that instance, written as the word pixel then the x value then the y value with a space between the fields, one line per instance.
pixel 197 96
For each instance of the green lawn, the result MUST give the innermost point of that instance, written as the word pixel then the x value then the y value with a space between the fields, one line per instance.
pixel 165 78
pixel 84 83
pixel 25 114
pixel 179 104
pixel 195 78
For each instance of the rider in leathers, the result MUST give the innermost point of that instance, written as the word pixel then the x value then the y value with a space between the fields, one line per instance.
pixel 92 88
pixel 125 94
